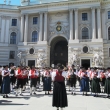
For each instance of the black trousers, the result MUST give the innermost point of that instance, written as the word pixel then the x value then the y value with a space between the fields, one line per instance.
pixel 33 82
pixel 20 83
pixel 12 80
pixel 24 81
pixel 0 80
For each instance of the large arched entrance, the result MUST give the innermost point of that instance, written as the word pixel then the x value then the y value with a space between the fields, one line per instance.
pixel 59 51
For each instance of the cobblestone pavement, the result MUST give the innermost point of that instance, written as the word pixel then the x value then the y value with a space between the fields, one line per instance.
pixel 40 101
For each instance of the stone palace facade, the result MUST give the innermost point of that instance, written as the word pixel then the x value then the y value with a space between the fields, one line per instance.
pixel 60 31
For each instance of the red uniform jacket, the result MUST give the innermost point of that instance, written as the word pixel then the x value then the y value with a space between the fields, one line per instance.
pixel 33 74
pixel 20 74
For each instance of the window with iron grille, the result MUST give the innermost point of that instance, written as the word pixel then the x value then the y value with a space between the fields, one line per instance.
pixel 109 33
pixel 13 38
pixel 12 55
pixel 85 33
pixel 14 22
pixel 35 20
pixel 84 16
pixel 34 36
pixel 108 14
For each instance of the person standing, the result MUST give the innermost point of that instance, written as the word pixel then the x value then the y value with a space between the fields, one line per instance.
pixel 107 83
pixel 84 81
pixel 33 77
pixel 47 81
pixel 0 77
pixel 102 80
pixel 12 77
pixel 20 79
pixel 6 82
pixel 95 86
pixel 59 91
pixel 72 80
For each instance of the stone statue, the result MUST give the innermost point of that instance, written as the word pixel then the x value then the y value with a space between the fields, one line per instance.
pixel 21 59
pixel 98 60
pixel 41 60
pixel 73 59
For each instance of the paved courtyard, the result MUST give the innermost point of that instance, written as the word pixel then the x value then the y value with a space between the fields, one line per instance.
pixel 44 102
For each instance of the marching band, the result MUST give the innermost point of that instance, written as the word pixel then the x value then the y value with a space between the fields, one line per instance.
pixel 94 80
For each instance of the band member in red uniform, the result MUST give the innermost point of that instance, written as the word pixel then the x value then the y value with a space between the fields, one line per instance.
pixel 33 77
pixel 59 91
pixel 26 72
pixel 20 78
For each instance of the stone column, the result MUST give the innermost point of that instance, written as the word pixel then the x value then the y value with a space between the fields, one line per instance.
pixel 7 36
pixel 3 29
pixel 45 26
pixel 0 24
pixel 99 23
pixel 22 29
pixel 76 24
pixel 26 28
pixel 71 23
pixel 93 24
pixel 40 31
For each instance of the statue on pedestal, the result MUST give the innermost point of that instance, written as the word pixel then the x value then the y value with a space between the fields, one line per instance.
pixel 98 60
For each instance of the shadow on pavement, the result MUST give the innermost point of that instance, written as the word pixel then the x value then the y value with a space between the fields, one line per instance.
pixel 6 102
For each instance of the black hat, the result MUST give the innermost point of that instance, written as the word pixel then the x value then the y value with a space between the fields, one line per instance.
pixel 5 66
pixel 108 68
pixel 72 65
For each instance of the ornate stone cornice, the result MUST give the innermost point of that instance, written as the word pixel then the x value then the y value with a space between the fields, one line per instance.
pixel 59 4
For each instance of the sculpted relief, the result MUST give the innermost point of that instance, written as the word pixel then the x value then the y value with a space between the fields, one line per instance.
pixel 98 59
pixel 58 24
pixel 41 58
pixel 53 18
pixel 74 57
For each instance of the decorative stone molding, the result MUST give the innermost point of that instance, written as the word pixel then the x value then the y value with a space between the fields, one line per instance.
pixel 64 29
pixel 13 30
pixel 98 57
pixel 74 56
pixel 41 58
pixel 35 28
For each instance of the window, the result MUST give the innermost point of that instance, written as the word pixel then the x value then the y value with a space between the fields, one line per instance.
pixel 109 52
pixel 35 20
pixel 108 14
pixel 85 33
pixel 34 36
pixel 12 55
pixel 14 22
pixel 84 16
pixel 13 38
pixel 109 33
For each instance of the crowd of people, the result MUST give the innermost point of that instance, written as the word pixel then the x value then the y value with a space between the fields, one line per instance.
pixel 94 80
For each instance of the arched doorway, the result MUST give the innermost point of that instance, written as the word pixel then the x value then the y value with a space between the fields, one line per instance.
pixel 59 51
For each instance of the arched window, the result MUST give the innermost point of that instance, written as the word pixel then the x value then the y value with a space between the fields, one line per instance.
pixel 34 36
pixel 85 33
pixel 13 38
pixel 109 33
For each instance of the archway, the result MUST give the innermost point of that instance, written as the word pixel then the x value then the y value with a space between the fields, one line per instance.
pixel 59 51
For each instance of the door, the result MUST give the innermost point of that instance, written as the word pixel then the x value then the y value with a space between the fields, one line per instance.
pixel 31 63
pixel 85 63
